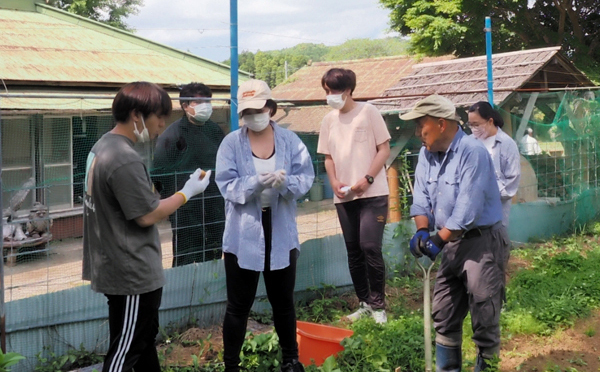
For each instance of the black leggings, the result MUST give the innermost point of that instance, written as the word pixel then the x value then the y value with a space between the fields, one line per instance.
pixel 241 291
pixel 363 222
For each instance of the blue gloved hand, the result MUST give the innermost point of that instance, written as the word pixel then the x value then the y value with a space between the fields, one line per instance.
pixel 431 246
pixel 421 235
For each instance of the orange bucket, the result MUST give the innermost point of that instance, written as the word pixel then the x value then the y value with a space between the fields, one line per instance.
pixel 317 341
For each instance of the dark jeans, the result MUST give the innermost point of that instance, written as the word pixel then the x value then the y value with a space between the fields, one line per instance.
pixel 363 221
pixel 471 278
pixel 133 323
pixel 241 291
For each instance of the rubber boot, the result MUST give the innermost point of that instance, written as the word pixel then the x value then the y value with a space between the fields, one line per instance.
pixel 293 366
pixel 481 364
pixel 448 358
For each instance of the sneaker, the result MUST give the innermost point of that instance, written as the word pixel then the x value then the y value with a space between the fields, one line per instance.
pixel 380 316
pixel 363 310
pixel 293 366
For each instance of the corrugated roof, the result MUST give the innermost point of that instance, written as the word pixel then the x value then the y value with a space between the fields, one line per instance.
pixel 464 80
pixel 60 48
pixel 80 103
pixel 373 75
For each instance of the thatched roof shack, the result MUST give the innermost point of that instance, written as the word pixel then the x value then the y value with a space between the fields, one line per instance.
pixel 464 80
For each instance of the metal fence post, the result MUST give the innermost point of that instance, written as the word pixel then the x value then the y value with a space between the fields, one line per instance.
pixel 2 309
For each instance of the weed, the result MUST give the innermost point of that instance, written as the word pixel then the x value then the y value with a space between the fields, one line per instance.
pixel 261 353
pixel 590 332
pixel 553 368
pixel 265 317
pixel 578 361
pixel 74 358
pixel 493 364
pixel 559 288
pixel 9 359
pixel 325 308
pixel 522 322
pixel 399 343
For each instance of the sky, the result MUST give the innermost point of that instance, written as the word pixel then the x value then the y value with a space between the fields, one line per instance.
pixel 202 26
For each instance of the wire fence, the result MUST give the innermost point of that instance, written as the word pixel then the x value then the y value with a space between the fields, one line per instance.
pixel 44 152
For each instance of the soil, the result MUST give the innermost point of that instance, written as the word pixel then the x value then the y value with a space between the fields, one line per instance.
pixel 568 350
pixel 204 343
pixel 577 347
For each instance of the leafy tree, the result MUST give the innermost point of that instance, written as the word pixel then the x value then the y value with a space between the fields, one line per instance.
pixel 456 26
pixel 270 66
pixel 111 12
pixel 366 48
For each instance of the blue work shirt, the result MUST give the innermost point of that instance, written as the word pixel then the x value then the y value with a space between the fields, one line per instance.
pixel 457 189
pixel 237 180
pixel 507 165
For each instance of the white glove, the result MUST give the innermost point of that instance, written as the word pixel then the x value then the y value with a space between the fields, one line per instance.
pixel 280 178
pixel 266 180
pixel 195 185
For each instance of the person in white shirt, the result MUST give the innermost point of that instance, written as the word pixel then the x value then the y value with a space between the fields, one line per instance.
pixel 529 145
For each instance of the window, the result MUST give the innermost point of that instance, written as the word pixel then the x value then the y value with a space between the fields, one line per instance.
pixel 17 161
pixel 56 163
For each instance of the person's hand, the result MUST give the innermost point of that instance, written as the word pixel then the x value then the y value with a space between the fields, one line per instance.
pixel 266 180
pixel 361 186
pixel 280 178
pixel 337 189
pixel 421 235
pixel 195 185
pixel 431 246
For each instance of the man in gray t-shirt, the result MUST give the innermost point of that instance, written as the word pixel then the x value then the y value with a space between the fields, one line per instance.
pixel 121 257
pixel 121 248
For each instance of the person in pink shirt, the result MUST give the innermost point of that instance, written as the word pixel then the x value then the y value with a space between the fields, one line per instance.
pixel 356 143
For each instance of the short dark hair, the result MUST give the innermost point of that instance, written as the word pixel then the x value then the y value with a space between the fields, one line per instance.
pixel 339 79
pixel 272 105
pixel 194 90
pixel 141 96
pixel 486 111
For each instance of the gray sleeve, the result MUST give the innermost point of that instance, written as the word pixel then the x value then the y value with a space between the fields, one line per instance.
pixel 133 189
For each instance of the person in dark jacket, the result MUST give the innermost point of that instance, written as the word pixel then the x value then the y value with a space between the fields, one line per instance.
pixel 189 143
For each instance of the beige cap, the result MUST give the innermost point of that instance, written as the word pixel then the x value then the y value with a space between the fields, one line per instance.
pixel 434 105
pixel 253 94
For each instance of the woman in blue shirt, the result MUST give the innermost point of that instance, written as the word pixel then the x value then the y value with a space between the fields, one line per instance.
pixel 261 170
pixel 486 124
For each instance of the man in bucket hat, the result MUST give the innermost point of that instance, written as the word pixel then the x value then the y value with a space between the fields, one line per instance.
pixel 457 196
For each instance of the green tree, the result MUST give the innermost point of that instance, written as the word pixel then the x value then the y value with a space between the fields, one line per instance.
pixel 270 66
pixel 456 26
pixel 366 48
pixel 111 12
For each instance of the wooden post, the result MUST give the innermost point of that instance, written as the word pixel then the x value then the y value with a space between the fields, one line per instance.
pixel 394 213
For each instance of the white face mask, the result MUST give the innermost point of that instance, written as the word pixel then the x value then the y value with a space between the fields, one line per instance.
pixel 141 137
pixel 202 112
pixel 479 132
pixel 257 122
pixel 336 101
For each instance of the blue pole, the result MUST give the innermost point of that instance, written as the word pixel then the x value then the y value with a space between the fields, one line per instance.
pixel 2 286
pixel 233 19
pixel 488 50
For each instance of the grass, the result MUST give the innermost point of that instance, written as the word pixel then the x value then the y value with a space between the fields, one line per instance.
pixel 556 282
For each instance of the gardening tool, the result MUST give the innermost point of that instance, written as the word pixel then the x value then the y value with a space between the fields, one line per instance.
pixel 427 312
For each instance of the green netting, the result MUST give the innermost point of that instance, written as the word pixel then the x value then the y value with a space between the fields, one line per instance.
pixel 566 126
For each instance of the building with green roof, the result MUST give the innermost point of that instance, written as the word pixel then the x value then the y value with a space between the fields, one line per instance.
pixel 59 73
